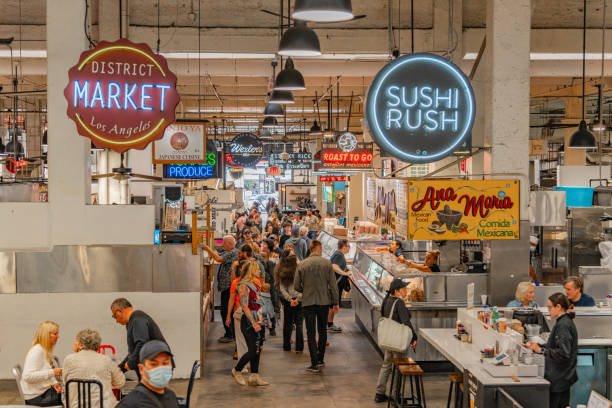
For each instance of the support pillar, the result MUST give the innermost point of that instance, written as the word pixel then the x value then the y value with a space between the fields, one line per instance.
pixel 507 122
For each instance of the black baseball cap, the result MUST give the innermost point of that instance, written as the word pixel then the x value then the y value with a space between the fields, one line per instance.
pixel 153 348
pixel 397 284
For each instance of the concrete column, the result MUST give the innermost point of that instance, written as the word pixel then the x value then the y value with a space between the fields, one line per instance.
pixel 507 121
pixel 356 199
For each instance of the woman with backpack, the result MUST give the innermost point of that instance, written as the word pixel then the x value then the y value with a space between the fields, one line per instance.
pixel 393 307
pixel 251 325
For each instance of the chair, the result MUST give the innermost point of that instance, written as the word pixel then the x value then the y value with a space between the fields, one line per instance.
pixel 17 374
pixel 84 393
pixel 405 370
pixel 456 384
pixel 184 402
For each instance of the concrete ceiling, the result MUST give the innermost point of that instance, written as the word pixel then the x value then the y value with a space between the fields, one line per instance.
pixel 241 26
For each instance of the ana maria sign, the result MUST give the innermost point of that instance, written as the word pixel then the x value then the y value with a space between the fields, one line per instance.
pixel 420 108
pixel 121 95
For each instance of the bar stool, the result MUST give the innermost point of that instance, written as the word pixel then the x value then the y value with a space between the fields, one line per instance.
pixel 414 373
pixel 456 383
pixel 397 361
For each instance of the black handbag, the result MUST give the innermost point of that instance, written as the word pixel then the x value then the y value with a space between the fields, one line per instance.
pixel 49 398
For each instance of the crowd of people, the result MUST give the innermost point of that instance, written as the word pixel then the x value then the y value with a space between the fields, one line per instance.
pixel 43 381
pixel 278 267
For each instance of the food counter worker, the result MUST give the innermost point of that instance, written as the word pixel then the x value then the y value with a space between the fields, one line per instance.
pixel 574 286
pixel 560 352
pixel 395 248
pixel 431 262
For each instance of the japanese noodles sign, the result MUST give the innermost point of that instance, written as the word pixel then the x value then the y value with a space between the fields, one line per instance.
pixel 463 209
pixel 183 143
pixel 420 108
pixel 121 95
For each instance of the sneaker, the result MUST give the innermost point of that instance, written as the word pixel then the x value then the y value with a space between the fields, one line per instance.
pixel 313 369
pixel 225 339
pixel 238 377
pixel 299 351
pixel 334 329
pixel 321 364
pixel 380 398
pixel 272 332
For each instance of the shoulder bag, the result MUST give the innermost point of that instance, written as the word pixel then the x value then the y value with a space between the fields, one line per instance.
pixel 392 335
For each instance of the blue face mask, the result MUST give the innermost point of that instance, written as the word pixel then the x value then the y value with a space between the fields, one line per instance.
pixel 160 377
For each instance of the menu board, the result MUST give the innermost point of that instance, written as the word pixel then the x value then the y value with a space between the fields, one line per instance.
pixel 402 208
pixel 371 199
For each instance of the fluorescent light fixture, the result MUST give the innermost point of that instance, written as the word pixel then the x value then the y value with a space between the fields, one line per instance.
pixel 216 55
pixel 23 54
pixel 561 56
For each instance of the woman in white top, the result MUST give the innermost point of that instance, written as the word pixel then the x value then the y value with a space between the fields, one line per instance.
pixel 87 364
pixel 38 379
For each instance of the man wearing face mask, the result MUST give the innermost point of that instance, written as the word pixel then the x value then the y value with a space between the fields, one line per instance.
pixel 156 371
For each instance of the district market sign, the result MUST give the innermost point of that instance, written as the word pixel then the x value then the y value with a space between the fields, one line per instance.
pixel 121 95
pixel 420 108
pixel 246 150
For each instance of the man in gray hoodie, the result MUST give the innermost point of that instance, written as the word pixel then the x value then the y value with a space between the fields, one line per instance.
pixel 299 245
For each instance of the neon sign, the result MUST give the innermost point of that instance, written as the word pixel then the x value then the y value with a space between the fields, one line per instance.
pixel 121 95
pixel 360 158
pixel 420 108
pixel 328 179
pixel 189 171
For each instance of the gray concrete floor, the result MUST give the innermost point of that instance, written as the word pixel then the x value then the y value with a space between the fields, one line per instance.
pixel 348 380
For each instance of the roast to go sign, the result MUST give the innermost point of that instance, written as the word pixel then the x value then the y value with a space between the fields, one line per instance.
pixel 420 108
pixel 463 209
pixel 121 95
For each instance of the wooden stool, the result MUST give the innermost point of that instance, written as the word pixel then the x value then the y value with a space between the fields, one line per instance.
pixel 403 361
pixel 456 382
pixel 417 391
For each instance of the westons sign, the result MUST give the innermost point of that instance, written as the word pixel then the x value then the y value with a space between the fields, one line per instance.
pixel 121 95
pixel 420 108
pixel 472 209
pixel 246 150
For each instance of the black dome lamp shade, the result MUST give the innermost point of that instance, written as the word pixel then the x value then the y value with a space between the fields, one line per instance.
pixel 269 122
pixel 300 40
pixel 273 110
pixel 281 97
pixel 289 79
pixel 582 138
pixel 323 11
pixel 315 129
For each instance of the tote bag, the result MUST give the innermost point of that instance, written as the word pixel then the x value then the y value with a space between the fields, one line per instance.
pixel 392 335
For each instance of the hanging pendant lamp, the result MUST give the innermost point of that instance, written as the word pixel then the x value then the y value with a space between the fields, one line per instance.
pixel 289 79
pixel 269 122
pixel 323 11
pixel 281 97
pixel 300 40
pixel 273 110
pixel 315 129
pixel 582 138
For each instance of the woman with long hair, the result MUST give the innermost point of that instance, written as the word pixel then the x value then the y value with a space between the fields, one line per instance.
pixel 291 301
pixel 560 351
pixel 251 325
pixel 39 377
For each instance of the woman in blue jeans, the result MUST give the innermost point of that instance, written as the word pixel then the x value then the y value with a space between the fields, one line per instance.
pixel 291 300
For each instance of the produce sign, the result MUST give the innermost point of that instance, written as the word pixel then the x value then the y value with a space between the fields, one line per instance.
pixel 121 95
pixel 360 158
pixel 245 150
pixel 211 168
pixel 420 108
pixel 472 209
pixel 183 143
pixel 296 161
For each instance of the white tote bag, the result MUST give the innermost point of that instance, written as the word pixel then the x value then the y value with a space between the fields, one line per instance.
pixel 393 336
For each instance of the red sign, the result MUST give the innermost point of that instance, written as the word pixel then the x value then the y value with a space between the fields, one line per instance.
pixel 121 95
pixel 274 171
pixel 328 179
pixel 13 166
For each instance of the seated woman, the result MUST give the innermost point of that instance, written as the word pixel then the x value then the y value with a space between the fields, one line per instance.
pixel 38 379
pixel 431 262
pixel 87 364
pixel 525 292
pixel 395 248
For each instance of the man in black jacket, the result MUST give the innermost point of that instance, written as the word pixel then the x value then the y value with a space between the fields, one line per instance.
pixel 140 328
pixel 155 369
